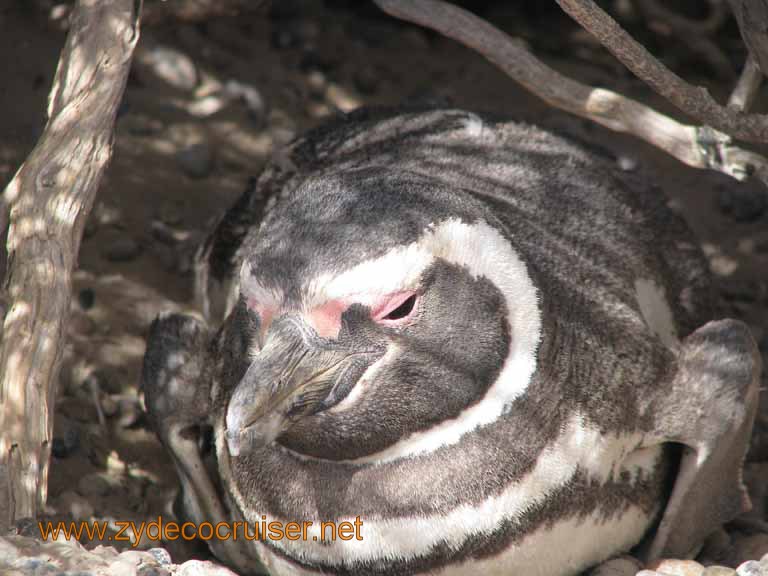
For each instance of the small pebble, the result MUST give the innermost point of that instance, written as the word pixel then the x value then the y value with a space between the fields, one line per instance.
pixel 162 555
pixel 750 568
pixel 203 568
pixel 623 566
pixel 170 65
pixel 671 567
pixel 249 96
pixel 123 249
pixel 109 405
pixel 316 83
pixel 196 160
pixel 93 484
pixel 719 571
pixel 208 105
pixel 80 324
pixel 129 411
pixel 75 505
pixel 167 234
pixel 144 570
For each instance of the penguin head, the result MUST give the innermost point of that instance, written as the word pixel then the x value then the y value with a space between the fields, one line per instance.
pixel 387 315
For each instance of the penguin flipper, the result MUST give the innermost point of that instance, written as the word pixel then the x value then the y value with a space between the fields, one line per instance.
pixel 178 402
pixel 709 409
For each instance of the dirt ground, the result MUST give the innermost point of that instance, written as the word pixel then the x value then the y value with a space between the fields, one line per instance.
pixel 205 106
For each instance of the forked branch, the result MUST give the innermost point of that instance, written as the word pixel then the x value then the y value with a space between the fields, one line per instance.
pixel 695 101
pixel 700 147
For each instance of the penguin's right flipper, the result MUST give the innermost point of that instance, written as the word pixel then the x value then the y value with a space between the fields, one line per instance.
pixel 709 408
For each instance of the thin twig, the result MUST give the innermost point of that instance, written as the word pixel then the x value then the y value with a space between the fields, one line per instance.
pixel 689 144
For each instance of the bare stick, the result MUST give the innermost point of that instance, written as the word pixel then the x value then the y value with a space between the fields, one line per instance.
pixel 686 143
pixel 747 87
pixel 694 101
pixel 50 198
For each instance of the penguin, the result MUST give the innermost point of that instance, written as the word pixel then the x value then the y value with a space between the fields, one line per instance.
pixel 483 342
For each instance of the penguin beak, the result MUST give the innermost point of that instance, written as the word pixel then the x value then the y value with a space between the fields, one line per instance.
pixel 293 376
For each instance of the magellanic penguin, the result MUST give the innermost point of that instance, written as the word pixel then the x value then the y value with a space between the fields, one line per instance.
pixel 483 340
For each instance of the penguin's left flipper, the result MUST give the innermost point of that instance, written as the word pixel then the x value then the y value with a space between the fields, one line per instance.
pixel 178 403
pixel 709 408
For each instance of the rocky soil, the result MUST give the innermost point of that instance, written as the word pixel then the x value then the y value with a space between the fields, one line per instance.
pixel 205 107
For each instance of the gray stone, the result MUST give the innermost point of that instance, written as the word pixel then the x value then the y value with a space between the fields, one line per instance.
pixel 719 571
pixel 203 568
pixel 750 568
pixel 196 160
pixel 622 566
pixel 170 65
pixel 74 505
pixel 123 249
pixel 93 484
pixel 162 555
pixel 250 96
pixel 129 411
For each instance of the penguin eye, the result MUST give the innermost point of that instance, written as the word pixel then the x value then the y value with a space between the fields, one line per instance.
pixel 403 310
pixel 395 308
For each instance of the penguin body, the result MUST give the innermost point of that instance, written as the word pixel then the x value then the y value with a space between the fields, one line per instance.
pixel 471 335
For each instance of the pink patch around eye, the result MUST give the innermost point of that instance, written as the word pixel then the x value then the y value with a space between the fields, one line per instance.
pixel 326 319
pixel 389 304
pixel 265 316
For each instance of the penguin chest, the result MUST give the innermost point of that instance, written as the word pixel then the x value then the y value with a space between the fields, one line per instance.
pixel 584 488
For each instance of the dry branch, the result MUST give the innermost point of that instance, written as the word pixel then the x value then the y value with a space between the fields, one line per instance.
pixel 50 198
pixel 746 89
pixel 697 147
pixel 691 100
